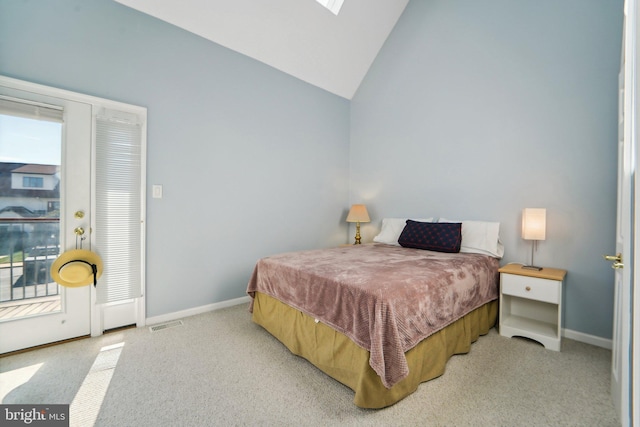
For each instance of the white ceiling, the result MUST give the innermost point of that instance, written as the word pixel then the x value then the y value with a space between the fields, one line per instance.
pixel 298 37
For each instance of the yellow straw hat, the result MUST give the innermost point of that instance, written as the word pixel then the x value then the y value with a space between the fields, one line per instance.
pixel 77 267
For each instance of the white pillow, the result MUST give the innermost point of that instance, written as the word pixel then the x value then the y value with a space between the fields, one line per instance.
pixel 480 237
pixel 392 228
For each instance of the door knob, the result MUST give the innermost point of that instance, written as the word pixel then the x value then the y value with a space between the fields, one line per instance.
pixel 616 259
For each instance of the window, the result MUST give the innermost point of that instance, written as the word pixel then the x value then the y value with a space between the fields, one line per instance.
pixel 32 182
pixel 333 5
pixel 53 207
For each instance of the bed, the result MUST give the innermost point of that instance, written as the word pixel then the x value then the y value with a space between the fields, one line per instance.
pixel 380 318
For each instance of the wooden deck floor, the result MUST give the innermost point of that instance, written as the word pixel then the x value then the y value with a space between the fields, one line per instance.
pixel 30 307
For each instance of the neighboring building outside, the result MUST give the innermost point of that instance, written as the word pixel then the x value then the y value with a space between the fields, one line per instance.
pixel 29 223
pixel 29 190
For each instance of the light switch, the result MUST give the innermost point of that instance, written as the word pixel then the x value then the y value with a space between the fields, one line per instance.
pixel 156 191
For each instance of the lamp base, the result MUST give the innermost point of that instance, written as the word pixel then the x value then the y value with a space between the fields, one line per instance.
pixel 531 267
pixel 358 238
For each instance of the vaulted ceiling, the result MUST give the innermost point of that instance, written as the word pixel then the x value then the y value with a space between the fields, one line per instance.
pixel 298 37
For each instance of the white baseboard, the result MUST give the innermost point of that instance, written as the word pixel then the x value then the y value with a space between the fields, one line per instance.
pixel 568 333
pixel 196 310
pixel 588 339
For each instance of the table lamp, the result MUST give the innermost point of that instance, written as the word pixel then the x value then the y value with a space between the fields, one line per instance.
pixel 534 227
pixel 358 214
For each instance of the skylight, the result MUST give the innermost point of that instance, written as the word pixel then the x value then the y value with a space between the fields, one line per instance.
pixel 333 5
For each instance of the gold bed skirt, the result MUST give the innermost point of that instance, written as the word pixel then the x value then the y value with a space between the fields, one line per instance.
pixel 340 358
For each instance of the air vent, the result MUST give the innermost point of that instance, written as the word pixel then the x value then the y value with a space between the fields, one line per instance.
pixel 167 325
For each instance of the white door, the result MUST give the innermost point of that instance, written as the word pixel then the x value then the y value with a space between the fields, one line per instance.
pixel 630 299
pixel 623 260
pixel 31 325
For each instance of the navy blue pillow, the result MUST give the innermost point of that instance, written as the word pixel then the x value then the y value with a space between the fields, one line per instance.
pixel 432 236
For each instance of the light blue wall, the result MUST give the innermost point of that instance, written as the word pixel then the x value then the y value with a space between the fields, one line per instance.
pixel 478 109
pixel 252 161
pixel 473 110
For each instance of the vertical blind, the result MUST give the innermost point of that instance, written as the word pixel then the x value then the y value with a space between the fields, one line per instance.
pixel 118 216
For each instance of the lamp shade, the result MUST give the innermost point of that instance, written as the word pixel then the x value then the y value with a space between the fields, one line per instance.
pixel 358 213
pixel 534 224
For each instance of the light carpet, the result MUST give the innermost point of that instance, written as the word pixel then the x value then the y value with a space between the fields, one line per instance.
pixel 219 368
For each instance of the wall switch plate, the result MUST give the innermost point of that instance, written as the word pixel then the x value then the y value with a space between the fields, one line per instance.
pixel 156 191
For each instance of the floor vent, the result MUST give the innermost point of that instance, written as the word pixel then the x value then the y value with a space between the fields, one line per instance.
pixel 167 325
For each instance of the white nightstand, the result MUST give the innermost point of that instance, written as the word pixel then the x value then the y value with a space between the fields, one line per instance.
pixel 531 304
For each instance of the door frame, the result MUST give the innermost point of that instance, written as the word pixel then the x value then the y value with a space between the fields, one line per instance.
pixel 138 305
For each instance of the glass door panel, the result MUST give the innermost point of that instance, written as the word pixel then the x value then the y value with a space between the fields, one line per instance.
pixel 30 161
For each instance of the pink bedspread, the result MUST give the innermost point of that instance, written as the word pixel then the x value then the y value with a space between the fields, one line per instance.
pixel 385 298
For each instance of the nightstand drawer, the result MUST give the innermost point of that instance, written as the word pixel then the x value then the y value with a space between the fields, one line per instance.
pixel 531 288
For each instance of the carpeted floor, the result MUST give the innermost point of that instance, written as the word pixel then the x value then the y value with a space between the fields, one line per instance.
pixel 219 368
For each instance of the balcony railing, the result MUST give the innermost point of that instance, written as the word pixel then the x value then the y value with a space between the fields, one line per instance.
pixel 28 247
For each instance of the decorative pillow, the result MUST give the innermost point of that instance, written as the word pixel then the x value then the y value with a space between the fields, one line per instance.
pixel 391 229
pixel 432 236
pixel 480 237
